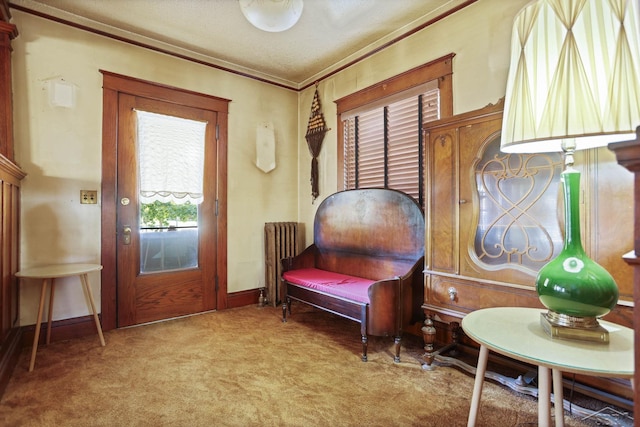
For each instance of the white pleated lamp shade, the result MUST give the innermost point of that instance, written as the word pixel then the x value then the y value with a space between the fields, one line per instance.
pixel 574 75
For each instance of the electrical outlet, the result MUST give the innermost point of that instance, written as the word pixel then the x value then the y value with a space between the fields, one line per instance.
pixel 88 197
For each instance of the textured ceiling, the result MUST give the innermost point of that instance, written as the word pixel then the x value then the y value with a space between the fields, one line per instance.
pixel 330 33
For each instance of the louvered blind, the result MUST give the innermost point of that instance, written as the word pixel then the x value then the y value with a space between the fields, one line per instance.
pixel 370 171
pixel 383 143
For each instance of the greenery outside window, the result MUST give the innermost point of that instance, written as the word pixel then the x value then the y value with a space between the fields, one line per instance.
pixel 158 215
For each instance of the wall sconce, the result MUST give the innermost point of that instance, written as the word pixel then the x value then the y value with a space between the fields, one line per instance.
pixel 61 93
pixel 265 147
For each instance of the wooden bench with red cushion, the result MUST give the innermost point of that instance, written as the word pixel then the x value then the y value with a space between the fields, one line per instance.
pixel 365 263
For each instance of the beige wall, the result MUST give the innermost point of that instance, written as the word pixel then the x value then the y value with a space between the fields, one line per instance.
pixel 60 148
pixel 479 36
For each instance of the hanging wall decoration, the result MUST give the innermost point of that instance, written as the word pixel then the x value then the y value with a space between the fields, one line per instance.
pixel 315 134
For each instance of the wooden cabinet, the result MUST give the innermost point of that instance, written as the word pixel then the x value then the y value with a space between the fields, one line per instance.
pixel 457 279
pixel 494 219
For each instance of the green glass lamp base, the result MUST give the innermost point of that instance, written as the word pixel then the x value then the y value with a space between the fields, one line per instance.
pixel 574 288
pixel 562 326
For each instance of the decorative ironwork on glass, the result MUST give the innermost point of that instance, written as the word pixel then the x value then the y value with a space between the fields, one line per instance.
pixel 517 222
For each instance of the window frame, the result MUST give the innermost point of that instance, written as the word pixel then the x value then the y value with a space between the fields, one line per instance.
pixel 440 69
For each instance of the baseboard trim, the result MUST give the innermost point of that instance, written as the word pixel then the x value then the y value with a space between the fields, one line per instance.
pixel 77 327
pixel 242 298
pixel 61 330
pixel 9 353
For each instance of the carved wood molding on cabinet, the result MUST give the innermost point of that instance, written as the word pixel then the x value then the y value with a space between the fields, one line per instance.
pixel 493 220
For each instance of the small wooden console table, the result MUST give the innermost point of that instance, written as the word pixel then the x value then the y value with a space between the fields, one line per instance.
pixel 516 332
pixel 48 274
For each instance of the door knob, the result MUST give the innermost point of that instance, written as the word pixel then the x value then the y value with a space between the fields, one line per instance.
pixel 126 233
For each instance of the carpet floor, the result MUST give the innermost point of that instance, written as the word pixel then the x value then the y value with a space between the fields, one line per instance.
pixel 244 367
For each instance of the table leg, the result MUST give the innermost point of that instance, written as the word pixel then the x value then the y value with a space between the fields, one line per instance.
pixel 544 396
pixel 85 281
pixel 36 336
pixel 558 397
pixel 481 369
pixel 50 316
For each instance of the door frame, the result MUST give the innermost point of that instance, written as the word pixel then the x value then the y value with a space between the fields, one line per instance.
pixel 113 85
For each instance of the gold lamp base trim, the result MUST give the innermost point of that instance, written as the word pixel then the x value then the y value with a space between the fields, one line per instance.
pixel 562 326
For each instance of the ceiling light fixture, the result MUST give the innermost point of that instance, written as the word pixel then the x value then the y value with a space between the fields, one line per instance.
pixel 272 15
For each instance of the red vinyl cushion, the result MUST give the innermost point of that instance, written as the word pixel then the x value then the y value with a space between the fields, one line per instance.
pixel 342 285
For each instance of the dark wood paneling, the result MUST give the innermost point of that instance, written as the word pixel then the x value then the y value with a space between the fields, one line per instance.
pixel 10 349
pixel 10 177
pixel 7 32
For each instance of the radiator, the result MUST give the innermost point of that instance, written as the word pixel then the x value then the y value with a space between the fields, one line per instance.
pixel 280 241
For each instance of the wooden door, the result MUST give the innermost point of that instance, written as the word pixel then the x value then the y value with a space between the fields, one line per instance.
pixel 178 292
pixel 174 273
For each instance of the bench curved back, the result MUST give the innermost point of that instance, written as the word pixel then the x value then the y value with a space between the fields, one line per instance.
pixel 373 233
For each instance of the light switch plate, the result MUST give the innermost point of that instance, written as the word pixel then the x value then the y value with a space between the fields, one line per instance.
pixel 88 197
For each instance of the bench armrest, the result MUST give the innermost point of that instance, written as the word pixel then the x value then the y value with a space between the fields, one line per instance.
pixel 384 304
pixel 306 259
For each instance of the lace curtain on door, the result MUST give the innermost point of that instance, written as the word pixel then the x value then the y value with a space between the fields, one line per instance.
pixel 170 158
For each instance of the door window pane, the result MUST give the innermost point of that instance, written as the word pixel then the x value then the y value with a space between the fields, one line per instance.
pixel 168 236
pixel 170 159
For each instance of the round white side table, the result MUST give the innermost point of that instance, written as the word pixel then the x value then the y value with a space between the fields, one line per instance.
pixel 516 332
pixel 48 274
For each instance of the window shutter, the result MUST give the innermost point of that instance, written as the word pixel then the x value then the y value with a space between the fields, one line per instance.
pixel 431 106
pixel 349 138
pixel 370 140
pixel 391 159
pixel 404 136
